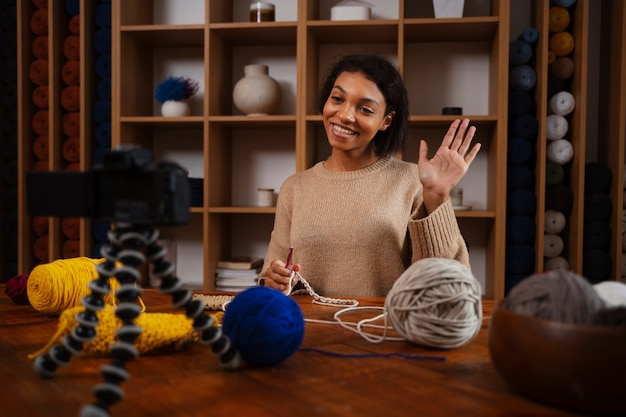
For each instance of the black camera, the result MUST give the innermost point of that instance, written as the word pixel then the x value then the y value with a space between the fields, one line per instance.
pixel 127 187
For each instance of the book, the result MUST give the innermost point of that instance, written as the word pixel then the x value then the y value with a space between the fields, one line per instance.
pixel 240 262
pixel 237 273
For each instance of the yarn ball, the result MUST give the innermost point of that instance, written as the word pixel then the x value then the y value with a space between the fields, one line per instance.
pixel 16 289
pixel 553 245
pixel 556 263
pixel 436 303
pixel 555 295
pixel 61 284
pixel 264 325
pixel 612 292
pixel 555 221
pixel 556 127
pixel 560 151
pixel 562 103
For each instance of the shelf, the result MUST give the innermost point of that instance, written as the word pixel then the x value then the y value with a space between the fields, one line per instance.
pixel 166 35
pixel 468 29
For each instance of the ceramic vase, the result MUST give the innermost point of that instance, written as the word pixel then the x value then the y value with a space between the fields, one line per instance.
pixel 175 108
pixel 448 8
pixel 256 94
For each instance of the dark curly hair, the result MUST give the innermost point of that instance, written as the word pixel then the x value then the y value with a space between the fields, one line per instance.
pixel 387 78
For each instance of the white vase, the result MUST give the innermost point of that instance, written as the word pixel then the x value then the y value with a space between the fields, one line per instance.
pixel 175 108
pixel 448 8
pixel 256 94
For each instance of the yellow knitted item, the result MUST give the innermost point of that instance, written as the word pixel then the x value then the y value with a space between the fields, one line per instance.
pixel 61 284
pixel 159 329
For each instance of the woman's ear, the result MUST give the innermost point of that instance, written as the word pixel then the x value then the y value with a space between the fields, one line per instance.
pixel 387 120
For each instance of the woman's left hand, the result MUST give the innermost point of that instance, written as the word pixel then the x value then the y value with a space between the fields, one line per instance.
pixel 440 174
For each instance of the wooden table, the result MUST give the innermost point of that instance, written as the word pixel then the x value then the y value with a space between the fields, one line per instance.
pixel 189 382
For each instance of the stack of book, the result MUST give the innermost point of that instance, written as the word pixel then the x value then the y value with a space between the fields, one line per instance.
pixel 237 274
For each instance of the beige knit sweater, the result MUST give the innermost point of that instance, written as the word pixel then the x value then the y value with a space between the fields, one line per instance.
pixel 355 232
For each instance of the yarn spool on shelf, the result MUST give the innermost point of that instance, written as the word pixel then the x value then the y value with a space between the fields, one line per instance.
pixel 40 225
pixel 522 202
pixel 40 122
pixel 70 227
pixel 561 43
pixel 596 235
pixel 71 123
pixel 40 96
pixel 553 245
pixel 40 47
pixel 554 221
pixel 71 249
pixel 525 126
pixel 61 284
pixel 71 47
pixel 559 197
pixel 520 259
pixel 555 174
pixel 562 68
pixel 71 149
pixel 557 263
pixel 38 71
pixel 264 325
pixel 562 103
pixel 520 52
pixel 520 229
pixel 40 248
pixel 598 207
pixel 39 21
pixel 556 127
pixel 522 78
pixel 41 147
pixel 560 151
pixel 70 72
pixel 436 302
pixel 74 25
pixel 519 177
pixel 520 151
pixel 558 18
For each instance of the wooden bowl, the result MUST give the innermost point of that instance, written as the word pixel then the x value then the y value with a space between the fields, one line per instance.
pixel 573 366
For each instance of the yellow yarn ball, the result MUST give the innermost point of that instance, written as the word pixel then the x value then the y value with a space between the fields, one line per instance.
pixel 61 284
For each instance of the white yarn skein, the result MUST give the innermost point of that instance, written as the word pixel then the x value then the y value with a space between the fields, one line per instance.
pixel 560 151
pixel 553 245
pixel 556 127
pixel 562 103
pixel 554 221
pixel 558 262
pixel 436 303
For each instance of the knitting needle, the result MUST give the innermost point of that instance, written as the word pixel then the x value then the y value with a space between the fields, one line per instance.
pixel 289 257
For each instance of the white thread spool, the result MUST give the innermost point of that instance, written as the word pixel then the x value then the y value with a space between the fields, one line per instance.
pixel 556 127
pixel 558 262
pixel 560 151
pixel 552 245
pixel 562 103
pixel 265 197
pixel 554 221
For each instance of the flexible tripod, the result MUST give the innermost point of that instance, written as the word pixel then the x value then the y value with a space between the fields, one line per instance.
pixel 130 246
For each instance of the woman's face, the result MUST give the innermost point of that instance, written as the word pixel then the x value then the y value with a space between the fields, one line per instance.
pixel 354 112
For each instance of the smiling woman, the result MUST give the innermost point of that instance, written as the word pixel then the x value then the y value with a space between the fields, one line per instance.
pixel 358 219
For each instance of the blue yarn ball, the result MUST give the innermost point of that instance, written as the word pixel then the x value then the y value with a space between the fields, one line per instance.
pixel 264 325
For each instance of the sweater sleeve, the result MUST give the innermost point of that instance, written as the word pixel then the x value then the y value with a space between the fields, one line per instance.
pixel 437 235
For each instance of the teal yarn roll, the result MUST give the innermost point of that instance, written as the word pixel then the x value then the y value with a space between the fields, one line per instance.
pixel 264 325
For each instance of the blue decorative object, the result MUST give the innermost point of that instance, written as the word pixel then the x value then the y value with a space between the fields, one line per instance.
pixel 176 89
pixel 264 325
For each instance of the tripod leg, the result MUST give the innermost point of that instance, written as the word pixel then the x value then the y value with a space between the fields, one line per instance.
pixel 194 309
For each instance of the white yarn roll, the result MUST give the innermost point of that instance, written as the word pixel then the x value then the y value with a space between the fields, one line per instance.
pixel 560 151
pixel 562 103
pixel 556 127
pixel 556 263
pixel 554 221
pixel 436 302
pixel 553 245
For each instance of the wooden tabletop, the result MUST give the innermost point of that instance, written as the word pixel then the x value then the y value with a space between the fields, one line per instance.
pixel 189 382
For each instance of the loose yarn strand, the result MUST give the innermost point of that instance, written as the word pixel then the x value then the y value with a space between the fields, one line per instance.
pixel 317 299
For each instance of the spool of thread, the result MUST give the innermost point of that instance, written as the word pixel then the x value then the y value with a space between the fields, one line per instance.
pixel 70 98
pixel 39 21
pixel 556 127
pixel 596 235
pixel 520 259
pixel 40 47
pixel 555 295
pixel 596 265
pixel 562 103
pixel 562 68
pixel 41 122
pixel 522 78
pixel 40 96
pixel 41 147
pixel 519 177
pixel 559 197
pixel 554 222
pixel 71 123
pixel 558 263
pixel 552 245
pixel 555 174
pixel 436 302
pixel 522 202
pixel 71 47
pixel 61 284
pixel 520 151
pixel 560 151
pixel 264 325
pixel 70 73
pixel 520 229
pixel 520 52
pixel 71 149
pixel 74 25
pixel 38 71
pixel 562 43
pixel 598 177
pixel 558 19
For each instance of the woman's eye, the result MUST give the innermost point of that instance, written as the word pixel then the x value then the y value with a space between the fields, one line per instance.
pixel 366 110
pixel 336 98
